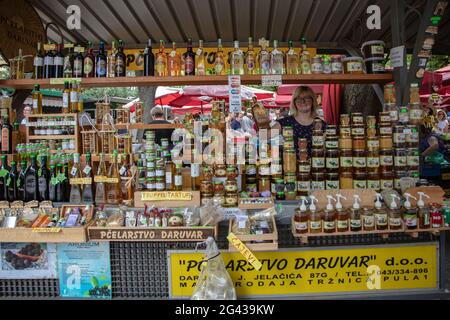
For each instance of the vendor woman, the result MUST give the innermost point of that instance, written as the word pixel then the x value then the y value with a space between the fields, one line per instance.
pixel 303 112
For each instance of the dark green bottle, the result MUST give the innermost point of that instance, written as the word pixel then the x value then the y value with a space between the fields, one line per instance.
pixel 31 181
pixel 21 180
pixel 44 179
pixel 12 185
pixel 4 173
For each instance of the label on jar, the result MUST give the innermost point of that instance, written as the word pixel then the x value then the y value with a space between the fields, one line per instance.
pixel 346 162
pixel 345 130
pixel 377 67
pixel 336 67
pixel 318 162
pixel 342 224
pixel 332 184
pixel 400 161
pixel 373 162
pixel 316 68
pixel 317 185
pixel 413 161
pixel 315 225
pixel 354 66
pixel 264 170
pixel 381 219
pixel 413 136
pixel 304 168
pixel 357 119
pixel 359 184
pixel 373 184
pixel 368 221
pixel 330 131
pixel 394 115
pixel 357 131
pixel 178 180
pixel 303 185
pixel 395 222
pixel 169 177
pixel 403 115
pixel 410 219
pixel 160 173
pixel 329 225
pixel 373 144
pixel 331 144
pixel 359 162
pixel 399 138
pixel 385 131
pixel 301 226
pixel 377 49
pixel 332 163
pixel 415 114
pixel 355 223
pixel 250 170
pixel 231 187
pixel 386 161
pixel 195 170
pixel 387 184
pixel 385 118
pixel 160 186
pixel 275 169
pixel 318 141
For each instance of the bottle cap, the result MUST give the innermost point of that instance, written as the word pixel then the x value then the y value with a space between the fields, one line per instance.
pixel 407 203
pixel 393 204
pixel 421 203
pixel 356 203
pixel 330 205
pixel 312 207
pixel 338 201
pixel 378 202
pixel 303 205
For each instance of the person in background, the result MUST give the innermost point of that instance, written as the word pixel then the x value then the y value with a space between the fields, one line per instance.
pixel 431 142
pixel 236 122
pixel 247 122
pixel 26 113
pixel 442 126
pixel 158 117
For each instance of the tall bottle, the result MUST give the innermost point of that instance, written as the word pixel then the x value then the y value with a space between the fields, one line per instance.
pixel 80 99
pixel 161 61
pixel 73 101
pixel 60 189
pixel 12 183
pixel 111 61
pixel 292 60
pixel 4 173
pixel 219 62
pixel 170 174
pixel 53 184
pixel 75 173
pixel 237 60
pixel 31 181
pixel 264 59
pixel 125 175
pixel 68 63
pixel 38 63
pixel 329 217
pixel 424 212
pixel 21 180
pixel 121 62
pixel 78 64
pixel 58 62
pixel 315 217
pixel 66 98
pixel 141 178
pixel 342 215
pixel 200 65
pixel 7 129
pixel 44 180
pixel 189 60
pixel 37 100
pixel 101 62
pixel 174 62
pixel 395 215
pixel 301 218
pixel 381 216
pixel 410 213
pixel 250 59
pixel 305 58
pixel 100 185
pixel 88 189
pixel 149 60
pixel 195 172
pixel 66 181
pixel 89 62
pixel 355 215
pixel 49 66
pixel 276 59
pixel 113 190
pixel 178 178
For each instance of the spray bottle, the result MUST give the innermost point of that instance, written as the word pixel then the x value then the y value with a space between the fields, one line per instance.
pixel 315 218
pixel 381 216
pixel 301 218
pixel 355 215
pixel 424 212
pixel 342 214
pixel 395 215
pixel 410 213
pixel 329 217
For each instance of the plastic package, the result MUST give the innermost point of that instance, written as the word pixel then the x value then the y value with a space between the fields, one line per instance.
pixel 191 218
pixel 214 282
pixel 241 225
pixel 115 220
pixel 211 214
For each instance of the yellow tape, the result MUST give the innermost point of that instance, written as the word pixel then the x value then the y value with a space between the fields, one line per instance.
pixel 166 195
pixel 242 248
pixel 47 230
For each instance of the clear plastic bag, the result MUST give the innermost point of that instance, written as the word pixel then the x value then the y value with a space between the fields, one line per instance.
pixel 214 282
pixel 211 214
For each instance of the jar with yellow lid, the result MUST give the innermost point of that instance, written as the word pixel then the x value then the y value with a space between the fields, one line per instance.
pixel 346 180
pixel 346 158
pixel 289 161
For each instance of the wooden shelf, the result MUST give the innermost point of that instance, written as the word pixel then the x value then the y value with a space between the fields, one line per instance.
pixel 64 151
pixel 52 137
pixel 142 126
pixel 46 115
pixel 199 80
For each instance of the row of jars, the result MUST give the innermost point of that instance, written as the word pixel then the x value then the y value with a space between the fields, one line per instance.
pixel 53 121
pixel 58 130
pixel 67 144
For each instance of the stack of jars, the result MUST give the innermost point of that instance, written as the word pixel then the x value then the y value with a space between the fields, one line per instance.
pixel 345 153
pixel 231 186
pixel 304 169
pixel 332 158
pixel 318 164
pixel 207 189
pixel 149 160
pixel 289 167
pixel 359 160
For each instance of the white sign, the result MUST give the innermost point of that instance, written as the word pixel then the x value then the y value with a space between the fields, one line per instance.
pixel 397 56
pixel 272 80
pixel 234 85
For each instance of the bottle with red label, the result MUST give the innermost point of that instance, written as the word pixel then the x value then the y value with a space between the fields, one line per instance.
pixel 437 221
pixel 189 60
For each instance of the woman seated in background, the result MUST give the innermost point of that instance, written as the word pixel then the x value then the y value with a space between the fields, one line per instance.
pixel 442 118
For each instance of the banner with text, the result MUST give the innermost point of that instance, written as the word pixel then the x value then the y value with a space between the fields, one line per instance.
pixel 312 271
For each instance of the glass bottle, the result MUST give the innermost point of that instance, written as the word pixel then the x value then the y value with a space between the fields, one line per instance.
pixel 395 215
pixel 410 213
pixel 315 221
pixel 355 216
pixel 44 180
pixel 68 62
pixel 49 65
pixel 111 61
pixel 88 188
pixel 121 62
pixel 66 98
pixel 200 67
pixel 59 186
pixel 161 61
pixel 264 59
pixel 38 63
pixel 219 62
pixel 125 175
pixel 4 173
pixel 381 216
pixel 73 102
pixel 31 181
pixel 53 183
pixel 89 63
pixel 21 180
pixel 80 99
pixel 423 214
pixel 342 220
pixel 65 179
pixel 174 62
pixel 142 174
pixel 78 63
pixel 368 219
pixel 7 130
pixel 58 62
pixel 292 60
pixel 100 185
pixel 189 60
pixel 113 190
pixel 301 218
pixel 37 100
pixel 149 60
pixel 101 65
pixel 276 59
pixel 305 58
pixel 178 179
pixel 76 189
pixel 250 59
pixel 170 174
pixel 329 218
pixel 237 60
pixel 12 185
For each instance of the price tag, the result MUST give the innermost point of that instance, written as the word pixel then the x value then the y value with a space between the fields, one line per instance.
pixel 49 47
pixel 234 85
pixel 122 170
pixel 397 56
pixel 100 179
pixel 87 170
pixel 271 80
pixel 79 49
pixel 3 173
pixel 74 171
pixel 68 45
pixel 46 230
pixel 57 81
pixel 112 180
pixel 83 181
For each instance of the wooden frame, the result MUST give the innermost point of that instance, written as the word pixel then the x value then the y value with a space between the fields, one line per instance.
pixel 271 238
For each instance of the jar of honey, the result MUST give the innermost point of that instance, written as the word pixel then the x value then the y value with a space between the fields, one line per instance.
pixel 399 138
pixel 397 179
pixel 289 161
pixel 416 114
pixel 371 131
pixel 289 143
pixel 357 118
pixel 371 121
pixel 359 142
pixel 317 181
pixel 345 143
pixel 386 159
pixel 385 117
pixel 353 65
pixel 412 136
pixel 303 155
pixel 387 180
pixel 373 181
pixel 346 158
pixel 385 142
pixel 331 131
pixel 373 144
pixel 332 142
pixel 290 182
pixel 389 94
pixel 400 159
pixel 332 181
pixel 303 184
pixel 304 166
pixel 332 160
pixel 359 159
pixel 220 170
pixel 318 139
pixel 359 180
pixel 413 158
pixel 373 161
pixel 346 180
pixel 358 130
pixel 345 131
pixel 317 159
pixel 385 129
pixel 302 144
pixel 288 132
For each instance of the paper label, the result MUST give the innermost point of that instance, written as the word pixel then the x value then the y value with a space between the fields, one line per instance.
pixel 242 248
pixel 397 56
pixel 271 80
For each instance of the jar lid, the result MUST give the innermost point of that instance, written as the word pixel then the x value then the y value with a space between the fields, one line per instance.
pixel 371 42
pixel 347 59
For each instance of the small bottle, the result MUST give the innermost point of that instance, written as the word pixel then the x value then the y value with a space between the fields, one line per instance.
pixel 237 60
pixel 342 215
pixel 437 221
pixel 446 213
pixel 355 215
pixel 178 179
pixel 381 216
pixel 329 217
pixel 424 212
pixel 368 219
pixel 315 218
pixel 395 216
pixel 410 214
pixel 301 218
pixel 200 68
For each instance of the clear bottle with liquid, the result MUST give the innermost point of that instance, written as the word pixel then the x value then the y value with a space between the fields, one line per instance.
pixel 394 214
pixel 292 60
pixel 75 173
pixel 381 216
pixel 342 215
pixel 100 184
pixel 301 218
pixel 355 215
pixel 423 213
pixel 410 213
pixel 237 60
pixel 276 59
pixel 315 218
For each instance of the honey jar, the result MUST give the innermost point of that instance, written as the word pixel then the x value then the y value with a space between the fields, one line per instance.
pixel 359 159
pixel 304 166
pixel 386 159
pixel 346 158
pixel 346 180
pixel 302 144
pixel 399 138
pixel 289 161
pixel 332 160
pixel 345 143
pixel 317 159
pixel 359 142
pixel 303 183
pixel 385 129
pixel 387 180
pixel 358 130
pixel 373 143
pixel 385 142
pixel 317 181
pixel 288 132
pixel 331 131
pixel 385 117
pixel 373 181
pixel 332 142
pixel 345 131
pixel 318 139
pixel 400 159
pixel 373 161
pixel 371 131
pixel 359 180
pixel 344 120
pixel 332 181
pixel 371 121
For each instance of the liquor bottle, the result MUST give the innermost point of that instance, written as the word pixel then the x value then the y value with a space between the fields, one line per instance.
pixel 78 63
pixel 195 172
pixel 264 59
pixel 66 98
pixel 4 173
pixel 44 180
pixel 38 63
pixel 12 183
pixel 65 180
pixel 121 62
pixel 49 66
pixel 170 174
pixel 80 99
pixel 219 63
pixel 31 181
pixel 161 61
pixel 237 60
pixel 101 62
pixel 53 184
pixel 250 59
pixel 305 58
pixel 142 174
pixel 21 180
pixel 68 62
pixel 276 59
pixel 37 100
pixel 75 173
pixel 60 186
pixel 292 60
pixel 178 180
pixel 88 189
pixel 100 185
pixel 6 136
pixel 73 103
pixel 58 62
pixel 189 60
pixel 89 62
pixel 125 175
pixel 200 68
pixel 149 60
pixel 113 190
pixel 111 61
pixel 174 62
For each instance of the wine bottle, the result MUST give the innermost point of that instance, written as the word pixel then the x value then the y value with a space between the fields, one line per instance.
pixel 38 63
pixel 43 180
pixel 21 180
pixel 100 62
pixel 75 189
pixel 53 183
pixel 88 189
pixel 49 65
pixel 89 63
pixel 78 66
pixel 58 62
pixel 113 190
pixel 31 181
pixel 4 173
pixel 12 183
pixel 121 62
pixel 100 185
pixel 6 136
pixel 189 60
pixel 149 60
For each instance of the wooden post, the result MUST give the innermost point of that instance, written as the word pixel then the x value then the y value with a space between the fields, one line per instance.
pixel 147 95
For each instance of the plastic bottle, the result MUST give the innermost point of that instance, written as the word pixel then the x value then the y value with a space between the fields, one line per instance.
pixel 301 218
pixel 329 217
pixel 355 215
pixel 446 213
pixel 342 214
pixel 315 218
pixel 436 216
pixel 410 213
pixel 381 216
pixel 395 215
pixel 368 219
pixel 424 212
